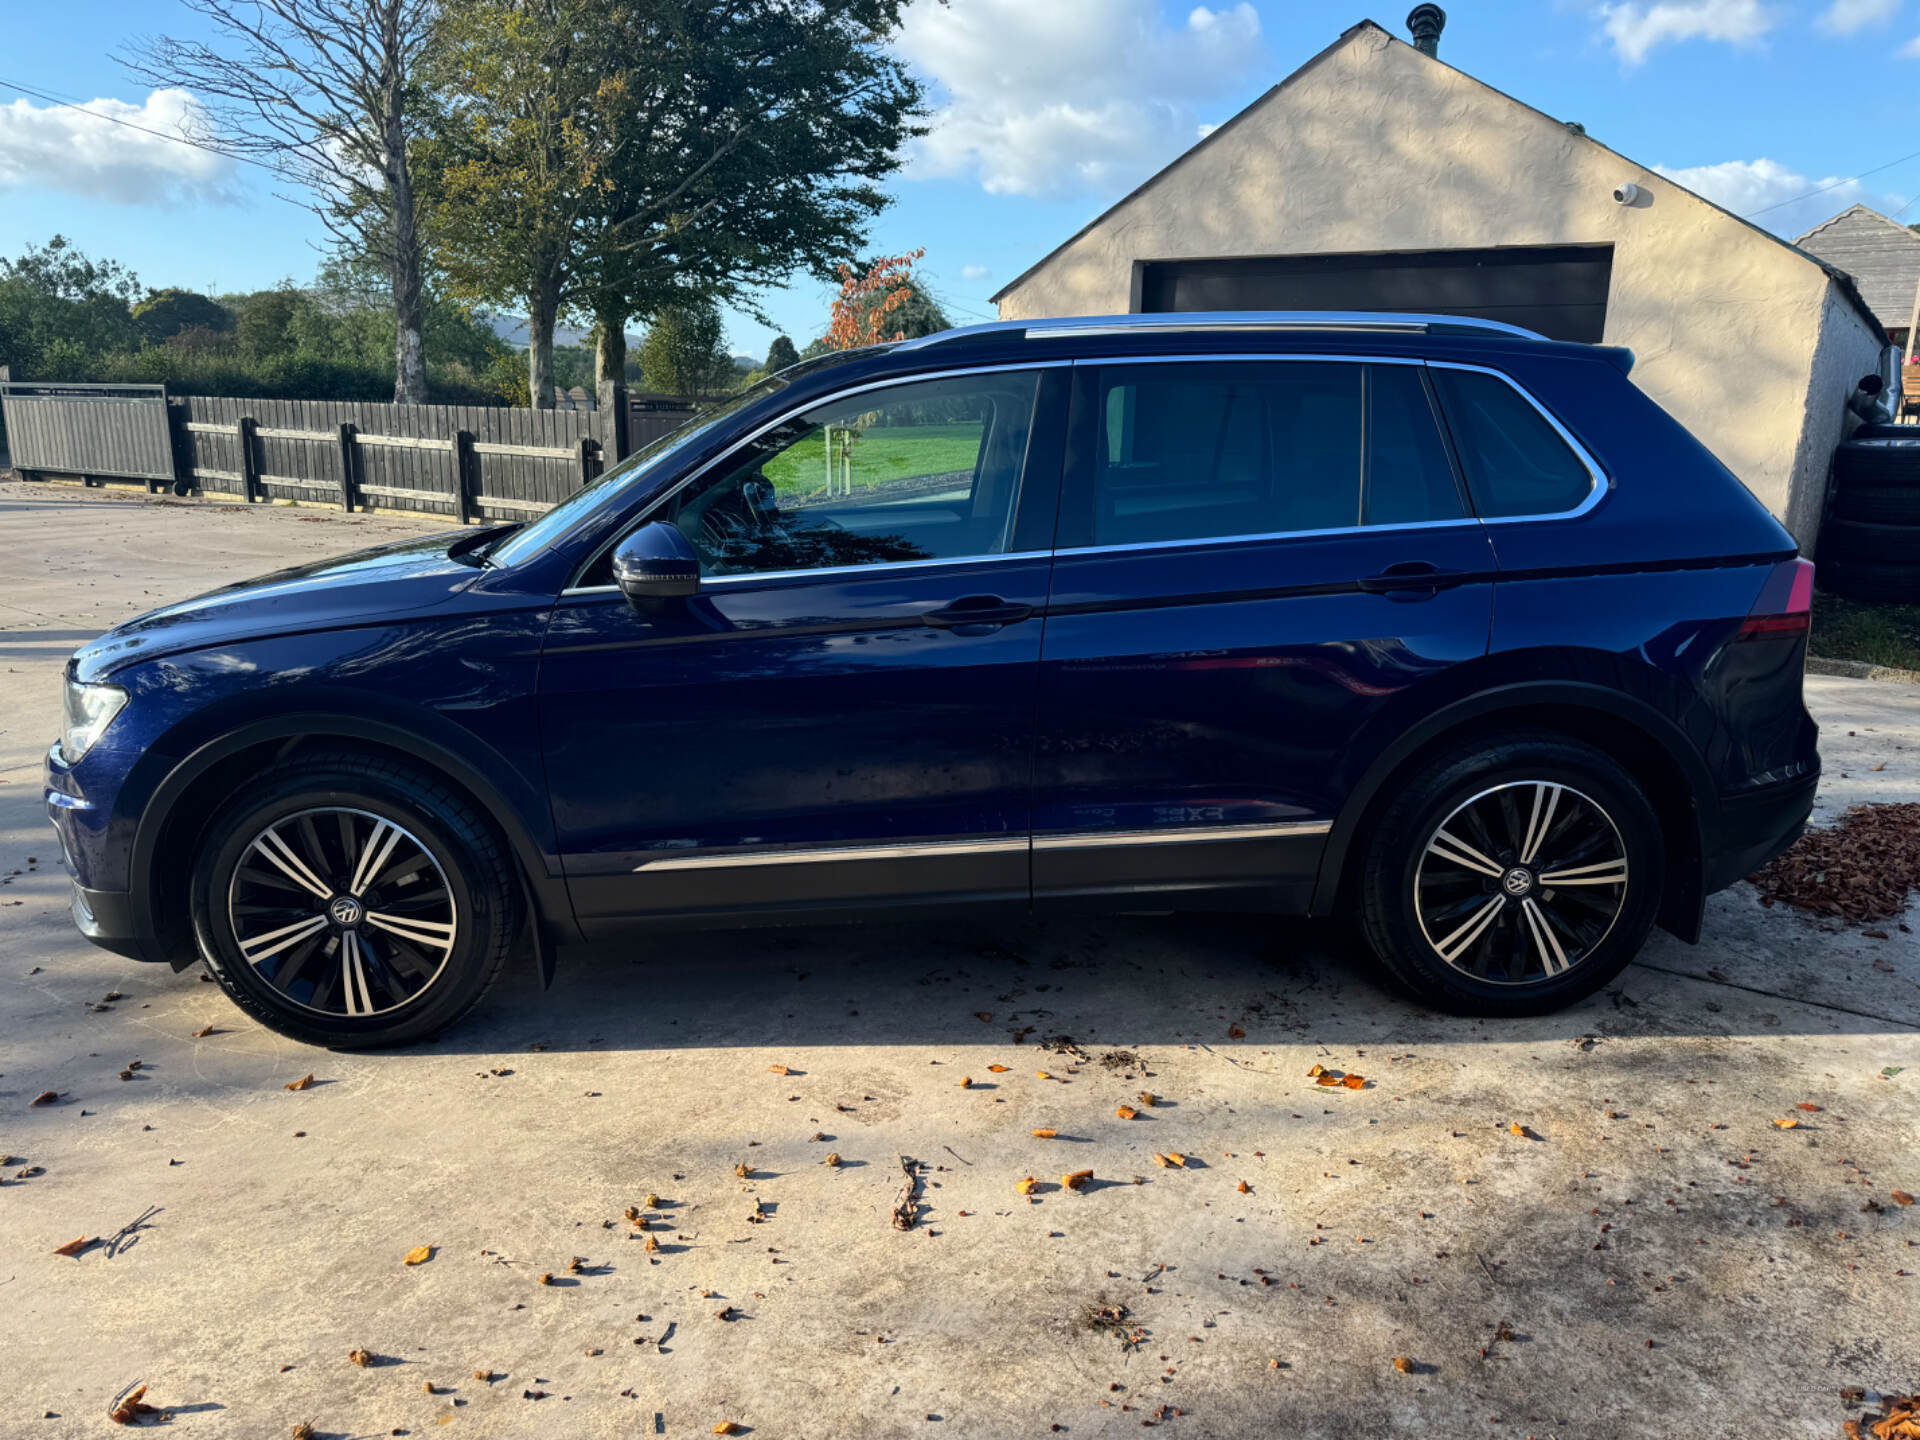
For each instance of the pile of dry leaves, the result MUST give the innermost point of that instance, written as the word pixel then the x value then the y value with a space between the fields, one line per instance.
pixel 1859 870
pixel 1899 1419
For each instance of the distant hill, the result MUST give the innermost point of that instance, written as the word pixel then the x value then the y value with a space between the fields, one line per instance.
pixel 512 329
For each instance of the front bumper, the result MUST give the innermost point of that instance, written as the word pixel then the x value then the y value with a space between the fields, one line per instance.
pixel 106 917
pixel 112 919
pixel 1755 826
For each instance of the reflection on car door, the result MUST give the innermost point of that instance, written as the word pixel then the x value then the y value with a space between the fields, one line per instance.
pixel 1255 556
pixel 845 713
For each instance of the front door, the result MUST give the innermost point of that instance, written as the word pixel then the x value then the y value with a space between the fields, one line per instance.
pixel 844 715
pixel 1255 556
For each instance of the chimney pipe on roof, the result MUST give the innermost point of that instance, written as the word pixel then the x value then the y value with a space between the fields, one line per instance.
pixel 1426 22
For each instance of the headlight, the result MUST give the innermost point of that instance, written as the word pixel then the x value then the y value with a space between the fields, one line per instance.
pixel 85 714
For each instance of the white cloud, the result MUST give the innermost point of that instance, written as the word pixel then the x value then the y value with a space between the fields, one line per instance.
pixel 62 149
pixel 1637 29
pixel 1911 50
pixel 1062 96
pixel 1844 17
pixel 1749 186
pixel 974 272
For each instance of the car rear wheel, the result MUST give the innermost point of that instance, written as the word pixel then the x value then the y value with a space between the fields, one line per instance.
pixel 351 901
pixel 1512 877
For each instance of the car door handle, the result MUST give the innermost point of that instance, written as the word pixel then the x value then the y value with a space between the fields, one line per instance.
pixel 977 614
pixel 1412 576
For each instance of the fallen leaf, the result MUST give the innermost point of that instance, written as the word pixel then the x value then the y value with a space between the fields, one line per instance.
pixel 966 1082
pixel 485 1377
pixel 1234 1032
pixel 1787 1124
pixel 1522 1131
pixel 204 1031
pixel 75 1246
pixel 1026 1186
pixel 726 1427
pixel 653 1244
pixel 419 1255
pixel 1077 1179
pixel 777 1070
pixel 743 1170
pixel 1043 1075
pixel 45 1097
pixel 1045 1134
pixel 998 1069
pixel 982 1016
pixel 652 1202
pixel 362 1358
pixel 545 1278
pixel 1326 1077
pixel 1176 1159
pixel 1808 1106
pixel 1901 1197
pixel 1403 1364
pixel 1244 1188
pixel 1126 1112
pixel 576 1264
pixel 832 1160
pixel 305 1082
pixel 303 1431
pixel 1316 1072
pixel 1355 1082
pixel 1148 1099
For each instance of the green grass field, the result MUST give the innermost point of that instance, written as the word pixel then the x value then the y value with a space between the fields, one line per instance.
pixel 882 454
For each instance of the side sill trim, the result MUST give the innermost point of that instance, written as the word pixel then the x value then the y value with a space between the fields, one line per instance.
pixel 921 850
pixel 930 849
pixel 1106 839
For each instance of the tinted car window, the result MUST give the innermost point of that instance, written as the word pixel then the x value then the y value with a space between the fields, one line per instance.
pixel 1409 479
pixel 1515 461
pixel 922 471
pixel 1192 451
pixel 1188 451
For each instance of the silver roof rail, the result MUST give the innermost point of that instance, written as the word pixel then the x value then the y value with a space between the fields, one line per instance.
pixel 1235 320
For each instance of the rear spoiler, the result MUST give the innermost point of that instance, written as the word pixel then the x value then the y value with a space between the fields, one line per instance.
pixel 1618 356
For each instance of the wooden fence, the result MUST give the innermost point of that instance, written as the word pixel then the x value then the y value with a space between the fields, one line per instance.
pixel 463 462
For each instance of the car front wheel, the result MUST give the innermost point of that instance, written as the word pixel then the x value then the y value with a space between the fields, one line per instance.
pixel 352 901
pixel 1513 877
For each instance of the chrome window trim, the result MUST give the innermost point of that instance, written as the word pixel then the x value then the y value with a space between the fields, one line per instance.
pixel 832 397
pixel 1177 835
pixel 916 850
pixel 709 581
pixel 1598 479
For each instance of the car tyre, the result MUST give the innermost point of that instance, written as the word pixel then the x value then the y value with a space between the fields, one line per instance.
pixel 353 901
pixel 1539 946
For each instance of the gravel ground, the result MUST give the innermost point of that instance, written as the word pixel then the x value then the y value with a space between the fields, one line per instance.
pixel 1654 1252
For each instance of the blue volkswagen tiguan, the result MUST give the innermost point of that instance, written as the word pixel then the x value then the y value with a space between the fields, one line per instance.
pixel 1422 619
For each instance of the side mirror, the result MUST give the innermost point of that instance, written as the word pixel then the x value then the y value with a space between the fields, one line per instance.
pixel 656 564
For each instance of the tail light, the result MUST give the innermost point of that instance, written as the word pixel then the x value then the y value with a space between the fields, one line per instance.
pixel 1785 606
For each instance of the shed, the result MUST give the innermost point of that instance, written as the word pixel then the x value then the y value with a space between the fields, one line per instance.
pixel 1882 256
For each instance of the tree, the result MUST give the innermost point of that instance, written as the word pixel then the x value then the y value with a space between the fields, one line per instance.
pixel 58 310
pixel 605 159
pixel 882 304
pixel 780 354
pixel 325 92
pixel 165 313
pixel 683 353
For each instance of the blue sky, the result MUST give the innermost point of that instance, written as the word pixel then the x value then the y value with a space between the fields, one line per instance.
pixel 1047 110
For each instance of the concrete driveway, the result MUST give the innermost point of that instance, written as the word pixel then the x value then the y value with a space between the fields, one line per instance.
pixel 1654 1256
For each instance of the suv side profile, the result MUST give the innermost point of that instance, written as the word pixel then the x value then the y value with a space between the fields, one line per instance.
pixel 1423 619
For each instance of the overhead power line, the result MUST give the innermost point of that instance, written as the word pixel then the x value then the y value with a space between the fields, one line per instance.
pixel 1782 204
pixel 143 129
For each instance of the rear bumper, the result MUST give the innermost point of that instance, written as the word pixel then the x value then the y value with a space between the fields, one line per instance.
pixel 1755 826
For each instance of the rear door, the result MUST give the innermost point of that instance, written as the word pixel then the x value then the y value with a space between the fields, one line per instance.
pixel 844 715
pixel 1256 554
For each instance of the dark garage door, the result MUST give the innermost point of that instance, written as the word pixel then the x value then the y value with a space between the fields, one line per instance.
pixel 1558 290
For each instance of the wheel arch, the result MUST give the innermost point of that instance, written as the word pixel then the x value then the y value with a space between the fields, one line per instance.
pixel 1650 745
pixel 186 797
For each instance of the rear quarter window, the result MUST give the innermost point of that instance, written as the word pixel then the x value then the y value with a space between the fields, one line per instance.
pixel 1515 461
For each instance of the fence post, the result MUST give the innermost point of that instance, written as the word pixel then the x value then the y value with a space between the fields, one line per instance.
pixel 466 483
pixel 588 459
pixel 249 467
pixel 347 431
pixel 611 398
